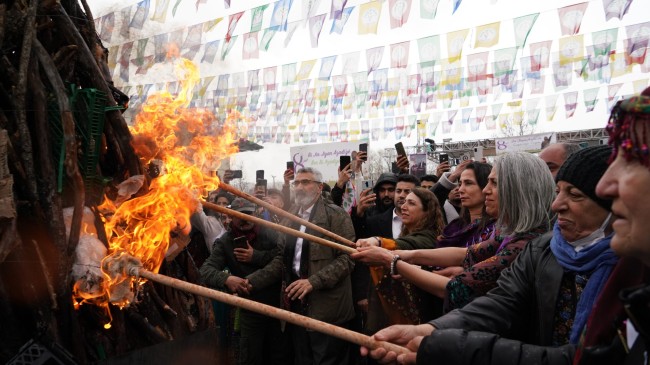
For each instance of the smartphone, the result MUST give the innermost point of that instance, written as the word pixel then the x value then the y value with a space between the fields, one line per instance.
pixel 363 147
pixel 394 168
pixel 399 147
pixel 290 165
pixel 444 157
pixel 240 242
pixel 259 174
pixel 236 174
pixel 367 184
pixel 344 161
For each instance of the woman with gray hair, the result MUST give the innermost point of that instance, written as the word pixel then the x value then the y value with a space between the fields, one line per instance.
pixel 522 207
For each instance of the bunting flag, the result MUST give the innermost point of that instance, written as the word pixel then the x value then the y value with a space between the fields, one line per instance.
pixel 550 102
pixel 266 38
pixel 612 90
pixel 477 66
pixel 428 8
pixel 257 17
pixel 452 75
pixel 562 75
pixel 399 55
pixel 125 15
pixel 373 58
pixel 233 20
pixel 537 85
pixel 399 11
pixel 340 84
pixel 139 51
pixel 616 8
pixel 309 8
pixel 226 4
pixel 571 18
pixel 288 73
pixel 455 42
pixel 336 8
pixel 591 97
pixel 637 43
pixel 222 85
pixel 413 85
pixel 522 26
pixel 305 70
pixel 326 67
pixel 281 14
pixel 504 61
pixel 227 46
pixel 200 2
pixel 253 79
pixel 570 103
pixel 540 54
pixel 160 12
pixel 339 24
pixel 291 29
pixel 619 66
pixel 315 27
pixel 532 111
pixel 112 57
pixel 604 44
pixel 178 2
pixel 360 80
pixel 429 50
pixel 125 55
pixel 141 14
pixel 456 6
pixel 269 75
pixel 108 25
pixel 210 51
pixel 144 65
pixel 350 62
pixel 203 84
pixel 639 85
pixel 194 34
pixel 369 14
pixel 176 38
pixel 210 24
pixel 571 49
pixel 487 35
pixel 250 48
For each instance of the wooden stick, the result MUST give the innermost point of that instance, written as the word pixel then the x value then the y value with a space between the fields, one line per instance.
pixel 267 310
pixel 281 228
pixel 285 214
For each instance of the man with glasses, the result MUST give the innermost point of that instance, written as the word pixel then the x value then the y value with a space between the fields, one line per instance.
pixel 315 278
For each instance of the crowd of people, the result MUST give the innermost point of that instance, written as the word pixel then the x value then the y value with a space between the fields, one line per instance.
pixel 530 259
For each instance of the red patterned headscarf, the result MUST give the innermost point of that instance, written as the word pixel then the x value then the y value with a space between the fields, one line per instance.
pixel 627 128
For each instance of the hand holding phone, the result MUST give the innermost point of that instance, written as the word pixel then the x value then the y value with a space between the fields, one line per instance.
pixel 344 161
pixel 399 147
pixel 240 242
pixel 363 147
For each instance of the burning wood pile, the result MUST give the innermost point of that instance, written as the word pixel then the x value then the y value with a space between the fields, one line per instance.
pixel 78 187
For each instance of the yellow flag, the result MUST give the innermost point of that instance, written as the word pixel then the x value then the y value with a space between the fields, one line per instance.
pixel 369 14
pixel 487 35
pixel 572 49
pixel 455 43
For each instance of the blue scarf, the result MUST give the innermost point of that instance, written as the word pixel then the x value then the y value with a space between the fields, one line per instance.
pixel 596 260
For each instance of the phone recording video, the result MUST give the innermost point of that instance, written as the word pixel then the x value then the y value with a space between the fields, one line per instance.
pixel 344 161
pixel 240 242
pixel 399 147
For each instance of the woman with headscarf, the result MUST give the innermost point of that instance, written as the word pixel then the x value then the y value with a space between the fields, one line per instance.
pixel 618 331
pixel 541 302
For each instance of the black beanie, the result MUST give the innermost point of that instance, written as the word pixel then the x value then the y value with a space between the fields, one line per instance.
pixel 584 168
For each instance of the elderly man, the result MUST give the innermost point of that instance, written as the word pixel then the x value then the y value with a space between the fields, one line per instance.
pixel 554 155
pixel 316 278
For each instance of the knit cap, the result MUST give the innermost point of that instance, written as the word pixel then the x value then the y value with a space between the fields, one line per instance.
pixel 584 168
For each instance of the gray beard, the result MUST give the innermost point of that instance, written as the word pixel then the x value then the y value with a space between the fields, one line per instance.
pixel 304 200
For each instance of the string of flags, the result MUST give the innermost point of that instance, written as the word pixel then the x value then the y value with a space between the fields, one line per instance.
pixel 287 104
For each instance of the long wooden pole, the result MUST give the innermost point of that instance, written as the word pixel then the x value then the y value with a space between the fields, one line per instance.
pixel 281 228
pixel 267 310
pixel 285 214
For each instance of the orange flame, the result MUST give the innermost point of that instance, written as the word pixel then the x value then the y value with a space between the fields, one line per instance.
pixel 190 143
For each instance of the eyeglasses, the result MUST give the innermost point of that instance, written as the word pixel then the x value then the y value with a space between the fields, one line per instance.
pixel 304 182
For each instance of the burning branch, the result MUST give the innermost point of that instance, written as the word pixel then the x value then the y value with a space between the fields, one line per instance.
pixel 354 337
